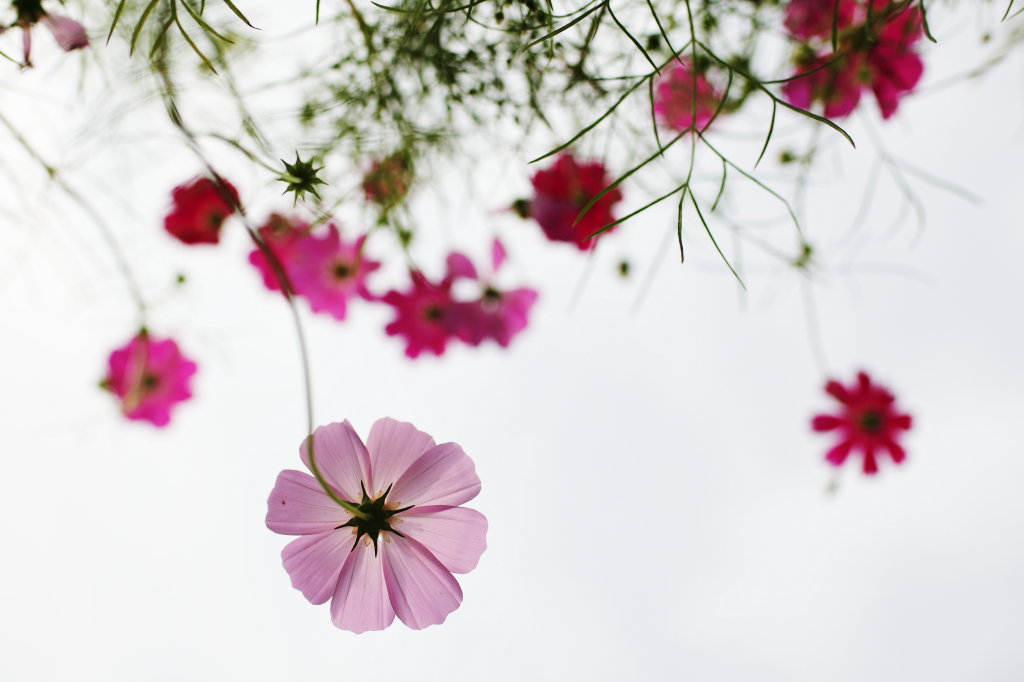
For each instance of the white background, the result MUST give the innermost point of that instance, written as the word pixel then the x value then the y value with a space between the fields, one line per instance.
pixel 657 503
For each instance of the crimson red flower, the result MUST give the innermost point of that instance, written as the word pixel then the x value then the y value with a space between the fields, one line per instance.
pixel 813 18
pixel 867 421
pixel 200 207
pixel 561 192
pixel 425 315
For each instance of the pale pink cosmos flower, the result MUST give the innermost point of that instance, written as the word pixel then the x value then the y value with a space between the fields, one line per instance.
pixel 69 34
pixel 399 558
pixel 149 376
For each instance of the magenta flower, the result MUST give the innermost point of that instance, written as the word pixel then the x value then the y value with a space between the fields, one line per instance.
pixel 328 271
pixel 149 376
pixel 562 190
pixel 838 85
pixel 396 551
pixel 281 235
pixel 675 106
pixel 813 18
pixel 425 315
pixel 200 207
pixel 867 421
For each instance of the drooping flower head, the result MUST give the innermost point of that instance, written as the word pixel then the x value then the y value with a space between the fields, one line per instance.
pixel 684 99
pixel 149 376
pixel 562 190
pixel 867 421
pixel 329 271
pixel 69 34
pixel 200 207
pixel 396 552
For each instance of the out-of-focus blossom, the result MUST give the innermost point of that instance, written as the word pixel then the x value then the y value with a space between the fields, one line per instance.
pixel 387 181
pixel 281 234
pixel 425 315
pixel 562 190
pixel 814 18
pixel 328 271
pixel 396 552
pixel 69 34
pixel 876 51
pixel 149 376
pixel 683 99
pixel 200 207
pixel 867 421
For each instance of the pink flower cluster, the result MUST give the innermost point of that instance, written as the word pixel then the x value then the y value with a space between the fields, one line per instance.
pixel 429 314
pixel 320 266
pixel 876 51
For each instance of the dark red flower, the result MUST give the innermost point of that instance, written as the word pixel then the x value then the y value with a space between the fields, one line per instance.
pixel 200 207
pixel 867 421
pixel 813 18
pixel 561 192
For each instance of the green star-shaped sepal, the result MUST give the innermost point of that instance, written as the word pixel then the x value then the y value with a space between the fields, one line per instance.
pixel 301 177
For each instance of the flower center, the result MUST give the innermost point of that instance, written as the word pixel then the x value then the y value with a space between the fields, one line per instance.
pixel 375 519
pixel 433 313
pixel 870 421
pixel 342 270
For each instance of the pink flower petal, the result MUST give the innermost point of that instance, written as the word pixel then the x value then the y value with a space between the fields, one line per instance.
pixel 497 254
pixel 341 457
pixel 393 447
pixel 422 591
pixel 299 506
pixel 444 475
pixel 68 33
pixel 456 536
pixel 361 599
pixel 826 422
pixel 314 561
pixel 459 266
pixel 838 454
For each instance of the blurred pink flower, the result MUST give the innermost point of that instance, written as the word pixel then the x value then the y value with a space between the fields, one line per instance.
pixel 328 271
pixel 867 421
pixel 398 559
pixel 675 104
pixel 425 315
pixel 879 56
pixel 149 376
pixel 200 207
pixel 281 234
pixel 813 18
pixel 562 190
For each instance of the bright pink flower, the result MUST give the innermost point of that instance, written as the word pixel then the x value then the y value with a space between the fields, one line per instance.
pixel 200 207
pixel 149 376
pixel 562 190
pixel 674 99
pixel 328 271
pixel 281 234
pixel 398 559
pixel 425 315
pixel 867 421
pixel 895 67
pixel 813 18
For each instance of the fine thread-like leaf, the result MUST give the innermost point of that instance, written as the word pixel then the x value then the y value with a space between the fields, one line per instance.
pixel 117 16
pixel 768 137
pixel 202 23
pixel 238 12
pixel 142 22
pixel 633 40
pixel 707 229
pixel 567 26
pixel 924 22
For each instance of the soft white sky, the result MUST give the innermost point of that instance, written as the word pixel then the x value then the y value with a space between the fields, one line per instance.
pixel 657 502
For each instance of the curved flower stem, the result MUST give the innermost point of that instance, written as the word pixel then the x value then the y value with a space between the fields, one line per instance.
pixel 280 274
pixel 107 236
